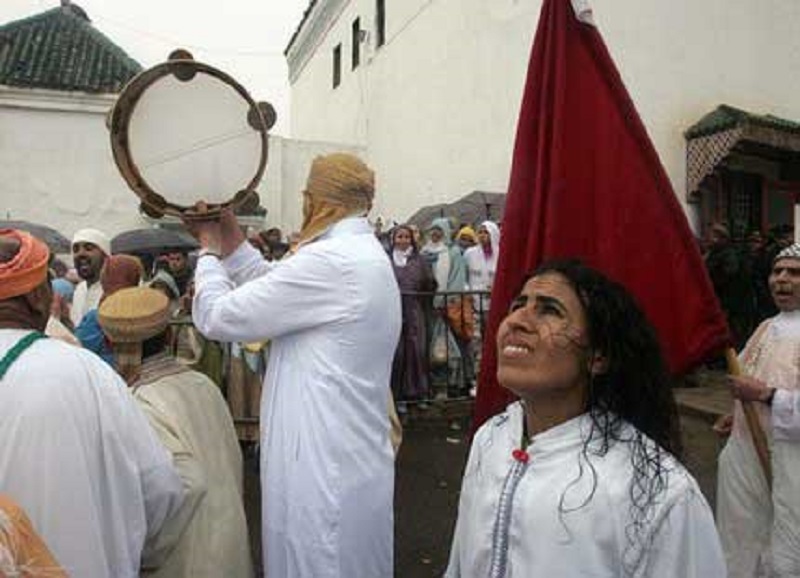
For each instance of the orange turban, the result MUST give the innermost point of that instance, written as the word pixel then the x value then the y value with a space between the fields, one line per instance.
pixel 25 267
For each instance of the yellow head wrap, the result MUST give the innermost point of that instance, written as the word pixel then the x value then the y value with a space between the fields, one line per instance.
pixel 339 185
pixel 467 232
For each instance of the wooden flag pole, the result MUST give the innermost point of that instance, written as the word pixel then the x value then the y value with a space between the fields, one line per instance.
pixel 753 423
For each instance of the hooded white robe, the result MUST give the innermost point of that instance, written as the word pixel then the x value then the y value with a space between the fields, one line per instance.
pixel 480 268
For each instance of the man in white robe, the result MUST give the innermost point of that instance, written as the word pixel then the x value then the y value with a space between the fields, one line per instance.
pixel 207 538
pixel 760 531
pixel 332 311
pixel 77 453
pixel 90 248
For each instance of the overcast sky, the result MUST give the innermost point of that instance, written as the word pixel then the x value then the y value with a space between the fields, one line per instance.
pixel 245 38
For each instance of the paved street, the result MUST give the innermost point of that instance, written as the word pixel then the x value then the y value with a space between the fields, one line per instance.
pixel 429 470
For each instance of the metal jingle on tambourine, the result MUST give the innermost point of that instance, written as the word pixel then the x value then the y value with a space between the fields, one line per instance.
pixel 267 112
pixel 176 136
pixel 182 64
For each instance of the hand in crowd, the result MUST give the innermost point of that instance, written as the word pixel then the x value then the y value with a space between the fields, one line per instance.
pixel 221 235
pixel 747 388
pixel 59 308
pixel 723 426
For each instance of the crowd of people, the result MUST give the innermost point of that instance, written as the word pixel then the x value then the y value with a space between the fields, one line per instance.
pixel 739 270
pixel 445 282
pixel 120 459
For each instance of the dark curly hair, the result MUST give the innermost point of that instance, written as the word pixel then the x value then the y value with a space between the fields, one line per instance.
pixel 636 389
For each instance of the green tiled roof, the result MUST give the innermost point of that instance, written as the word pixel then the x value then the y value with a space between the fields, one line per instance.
pixel 60 50
pixel 726 117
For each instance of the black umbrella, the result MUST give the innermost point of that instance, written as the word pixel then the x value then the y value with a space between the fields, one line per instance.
pixel 473 208
pixel 423 217
pixel 478 206
pixel 57 242
pixel 152 241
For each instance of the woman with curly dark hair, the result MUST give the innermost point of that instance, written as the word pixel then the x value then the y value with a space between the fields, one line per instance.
pixel 581 477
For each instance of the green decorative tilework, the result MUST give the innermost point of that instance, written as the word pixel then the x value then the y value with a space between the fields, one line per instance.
pixel 726 117
pixel 60 50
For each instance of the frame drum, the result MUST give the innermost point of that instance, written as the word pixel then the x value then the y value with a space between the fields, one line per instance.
pixel 182 132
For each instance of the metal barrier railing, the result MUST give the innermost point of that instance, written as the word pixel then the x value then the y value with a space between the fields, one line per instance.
pixel 437 358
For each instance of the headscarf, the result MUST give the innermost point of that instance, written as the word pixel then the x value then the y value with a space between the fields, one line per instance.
pixel 63 288
pixel 790 252
pixel 23 263
pixel 119 272
pixel 339 185
pixel 467 232
pixel 95 237
pixel 494 239
pixel 443 224
pixel 440 252
pixel 431 248
pixel 400 258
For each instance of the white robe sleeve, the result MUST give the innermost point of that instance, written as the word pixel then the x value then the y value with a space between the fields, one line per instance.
pixel 245 263
pixel 786 415
pixel 684 542
pixel 308 290
pixel 161 488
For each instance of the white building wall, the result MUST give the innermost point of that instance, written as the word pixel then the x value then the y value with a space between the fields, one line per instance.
pixel 58 170
pixel 56 163
pixel 436 106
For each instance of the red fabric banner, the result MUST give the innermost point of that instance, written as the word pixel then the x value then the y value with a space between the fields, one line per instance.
pixel 586 182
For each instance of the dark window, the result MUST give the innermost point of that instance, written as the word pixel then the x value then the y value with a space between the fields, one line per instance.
pixel 380 22
pixel 337 65
pixel 356 54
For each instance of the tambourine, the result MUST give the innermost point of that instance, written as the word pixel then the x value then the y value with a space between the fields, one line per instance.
pixel 182 132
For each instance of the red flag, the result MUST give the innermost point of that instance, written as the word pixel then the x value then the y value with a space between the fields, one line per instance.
pixel 586 182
